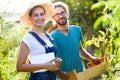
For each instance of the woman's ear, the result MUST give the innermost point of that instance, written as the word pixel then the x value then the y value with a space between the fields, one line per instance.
pixel 30 18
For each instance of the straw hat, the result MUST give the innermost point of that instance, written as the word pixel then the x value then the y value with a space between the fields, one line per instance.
pixel 49 11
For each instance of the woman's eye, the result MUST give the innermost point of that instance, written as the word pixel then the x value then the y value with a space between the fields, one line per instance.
pixel 41 14
pixel 35 15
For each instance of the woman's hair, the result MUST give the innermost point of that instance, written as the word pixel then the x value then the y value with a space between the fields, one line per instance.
pixel 30 12
pixel 63 5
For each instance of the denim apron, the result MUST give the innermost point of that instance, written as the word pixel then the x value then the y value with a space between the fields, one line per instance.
pixel 47 75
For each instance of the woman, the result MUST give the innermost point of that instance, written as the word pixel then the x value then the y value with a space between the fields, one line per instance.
pixel 35 17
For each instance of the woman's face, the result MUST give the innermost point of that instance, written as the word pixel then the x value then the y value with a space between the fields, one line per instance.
pixel 38 17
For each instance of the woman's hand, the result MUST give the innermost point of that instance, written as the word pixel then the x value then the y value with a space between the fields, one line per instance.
pixel 58 62
pixel 52 66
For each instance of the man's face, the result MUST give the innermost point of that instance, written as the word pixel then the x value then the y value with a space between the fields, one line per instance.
pixel 60 16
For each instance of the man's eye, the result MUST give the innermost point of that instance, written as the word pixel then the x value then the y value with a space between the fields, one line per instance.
pixel 62 13
pixel 57 14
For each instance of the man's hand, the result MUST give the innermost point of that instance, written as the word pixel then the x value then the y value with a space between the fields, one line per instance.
pixel 63 75
pixel 95 62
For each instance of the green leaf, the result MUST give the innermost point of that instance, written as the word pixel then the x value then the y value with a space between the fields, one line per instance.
pixel 116 13
pixel 102 33
pixel 98 5
pixel 98 22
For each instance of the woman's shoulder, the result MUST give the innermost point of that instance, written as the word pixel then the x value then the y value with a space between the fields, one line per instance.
pixel 27 36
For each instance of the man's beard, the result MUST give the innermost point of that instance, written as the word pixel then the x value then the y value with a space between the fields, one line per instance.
pixel 62 23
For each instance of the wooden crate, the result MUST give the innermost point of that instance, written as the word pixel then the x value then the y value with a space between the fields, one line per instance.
pixel 89 73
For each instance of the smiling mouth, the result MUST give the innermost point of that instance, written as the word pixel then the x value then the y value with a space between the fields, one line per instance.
pixel 40 21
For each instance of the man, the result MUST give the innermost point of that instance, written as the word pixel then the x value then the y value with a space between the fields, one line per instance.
pixel 68 41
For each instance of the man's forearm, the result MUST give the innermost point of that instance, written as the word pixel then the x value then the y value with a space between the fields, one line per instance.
pixel 85 54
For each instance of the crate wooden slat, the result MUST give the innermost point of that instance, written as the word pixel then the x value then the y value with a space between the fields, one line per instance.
pixel 72 75
pixel 89 73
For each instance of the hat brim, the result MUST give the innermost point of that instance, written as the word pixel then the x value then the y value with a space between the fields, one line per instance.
pixel 49 11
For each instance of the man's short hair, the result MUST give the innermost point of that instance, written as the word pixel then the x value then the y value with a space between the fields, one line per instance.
pixel 63 5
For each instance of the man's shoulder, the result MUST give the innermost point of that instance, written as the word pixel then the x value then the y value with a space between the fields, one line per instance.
pixel 53 33
pixel 74 27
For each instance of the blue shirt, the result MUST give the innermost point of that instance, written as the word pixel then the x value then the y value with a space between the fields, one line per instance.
pixel 68 48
